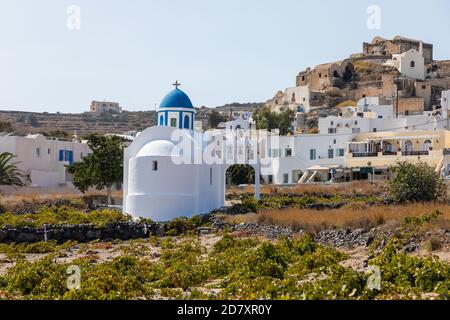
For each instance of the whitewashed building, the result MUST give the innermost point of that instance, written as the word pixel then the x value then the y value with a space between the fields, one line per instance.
pixel 43 159
pixel 410 63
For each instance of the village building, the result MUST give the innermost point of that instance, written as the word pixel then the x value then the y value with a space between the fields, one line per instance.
pixel 410 63
pixel 387 48
pixel 326 75
pixel 105 107
pixel 42 159
pixel 298 99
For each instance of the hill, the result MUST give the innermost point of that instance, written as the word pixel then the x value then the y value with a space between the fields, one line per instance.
pixel 82 123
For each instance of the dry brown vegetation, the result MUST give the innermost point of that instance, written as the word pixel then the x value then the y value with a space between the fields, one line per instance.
pixel 344 189
pixel 354 215
pixel 12 196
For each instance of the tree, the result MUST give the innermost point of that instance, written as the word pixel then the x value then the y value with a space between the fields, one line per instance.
pixel 241 174
pixel 266 119
pixel 103 167
pixel 214 118
pixel 9 173
pixel 286 117
pixel 6 126
pixel 415 182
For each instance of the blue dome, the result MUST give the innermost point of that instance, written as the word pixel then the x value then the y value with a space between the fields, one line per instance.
pixel 176 99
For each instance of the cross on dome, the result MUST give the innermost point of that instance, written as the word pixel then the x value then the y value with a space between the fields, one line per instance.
pixel 176 84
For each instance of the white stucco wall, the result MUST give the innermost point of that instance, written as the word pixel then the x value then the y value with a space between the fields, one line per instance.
pixel 173 190
pixel 403 64
pixel 40 155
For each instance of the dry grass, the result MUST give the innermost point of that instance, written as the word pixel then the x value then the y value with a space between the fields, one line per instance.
pixel 12 196
pixel 343 189
pixel 346 103
pixel 350 216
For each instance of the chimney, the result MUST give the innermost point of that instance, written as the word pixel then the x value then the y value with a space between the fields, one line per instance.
pixel 421 48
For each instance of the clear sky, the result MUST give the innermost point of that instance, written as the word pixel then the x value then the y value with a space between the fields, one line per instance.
pixel 222 51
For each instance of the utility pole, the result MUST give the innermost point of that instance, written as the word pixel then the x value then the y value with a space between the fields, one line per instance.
pixel 396 85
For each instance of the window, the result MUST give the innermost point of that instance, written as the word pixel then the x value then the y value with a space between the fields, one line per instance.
pixel 331 130
pixel 312 154
pixel 330 153
pixel 424 86
pixel 380 117
pixel 38 152
pixel 186 122
pixel 374 130
pixel 81 154
pixel 173 122
pixel 320 75
pixel 210 176
pixel 360 114
pixel 356 123
pixel 334 141
pixel 331 123
pixel 340 152
pixel 155 165
pixel 286 178
pixel 288 152
pixel 413 64
pixel 161 120
pixel 270 178
pixel 66 155
pixel 48 151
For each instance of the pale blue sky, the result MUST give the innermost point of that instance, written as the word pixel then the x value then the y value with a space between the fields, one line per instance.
pixel 222 51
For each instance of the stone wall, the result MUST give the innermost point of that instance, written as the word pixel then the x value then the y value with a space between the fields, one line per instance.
pixel 409 105
pixel 80 233
pixel 385 47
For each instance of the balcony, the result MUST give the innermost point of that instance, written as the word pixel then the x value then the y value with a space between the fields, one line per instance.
pixel 364 154
pixel 414 153
pixel 389 153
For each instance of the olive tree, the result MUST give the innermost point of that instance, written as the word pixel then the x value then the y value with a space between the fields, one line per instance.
pixel 103 167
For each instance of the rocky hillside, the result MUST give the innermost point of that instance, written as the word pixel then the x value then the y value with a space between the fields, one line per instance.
pixel 61 124
pixel 82 123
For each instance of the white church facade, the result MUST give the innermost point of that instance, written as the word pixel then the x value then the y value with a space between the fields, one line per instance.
pixel 163 181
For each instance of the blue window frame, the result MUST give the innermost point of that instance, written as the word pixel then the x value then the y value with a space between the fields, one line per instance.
pixel 66 155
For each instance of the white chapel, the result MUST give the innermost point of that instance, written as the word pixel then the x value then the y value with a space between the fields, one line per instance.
pixel 162 183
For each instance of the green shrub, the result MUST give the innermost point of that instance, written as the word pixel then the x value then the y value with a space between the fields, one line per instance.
pixel 432 244
pixel 415 182
pixel 63 215
pixel 404 271
pixel 40 279
pixel 242 268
